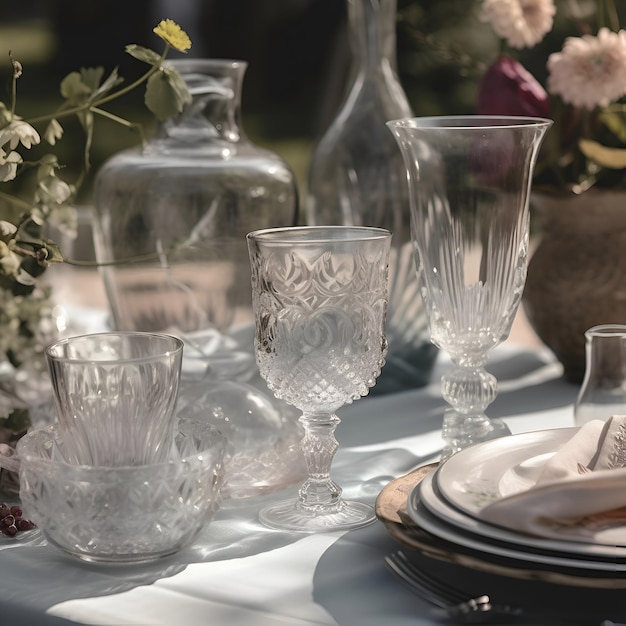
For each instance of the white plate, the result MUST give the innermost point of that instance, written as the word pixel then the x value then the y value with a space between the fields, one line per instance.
pixel 426 493
pixel 477 476
pixel 421 515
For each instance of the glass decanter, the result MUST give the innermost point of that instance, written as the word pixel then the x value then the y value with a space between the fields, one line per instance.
pixel 171 221
pixel 356 178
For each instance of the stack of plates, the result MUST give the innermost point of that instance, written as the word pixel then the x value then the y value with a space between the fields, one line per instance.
pixel 446 503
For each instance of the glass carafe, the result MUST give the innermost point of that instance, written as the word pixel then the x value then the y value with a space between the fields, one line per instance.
pixel 603 391
pixel 172 216
pixel 357 178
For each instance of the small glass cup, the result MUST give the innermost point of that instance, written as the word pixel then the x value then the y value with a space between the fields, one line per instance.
pixel 603 391
pixel 115 395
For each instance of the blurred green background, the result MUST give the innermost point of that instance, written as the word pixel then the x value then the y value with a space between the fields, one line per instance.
pixel 297 51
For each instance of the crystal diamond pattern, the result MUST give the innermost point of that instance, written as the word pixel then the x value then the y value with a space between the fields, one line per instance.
pixel 322 322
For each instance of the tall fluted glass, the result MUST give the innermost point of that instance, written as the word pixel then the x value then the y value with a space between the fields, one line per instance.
pixel 320 297
pixel 469 179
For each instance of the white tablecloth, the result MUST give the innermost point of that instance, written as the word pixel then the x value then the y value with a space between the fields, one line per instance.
pixel 240 573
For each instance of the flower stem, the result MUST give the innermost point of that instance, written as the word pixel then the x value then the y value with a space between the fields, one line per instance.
pixel 153 256
pixel 15 200
pixel 13 94
pixel 91 105
pixel 136 83
pixel 607 15
pixel 120 120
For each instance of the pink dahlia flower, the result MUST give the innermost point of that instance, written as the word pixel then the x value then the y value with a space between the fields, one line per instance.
pixel 522 23
pixel 590 71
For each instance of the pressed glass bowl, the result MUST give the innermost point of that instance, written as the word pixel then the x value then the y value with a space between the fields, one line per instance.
pixel 263 452
pixel 121 514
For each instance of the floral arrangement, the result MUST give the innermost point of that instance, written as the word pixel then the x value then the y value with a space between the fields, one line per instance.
pixel 34 194
pixel 585 84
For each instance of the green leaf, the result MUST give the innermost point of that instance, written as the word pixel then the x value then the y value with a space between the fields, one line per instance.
pixel 166 94
pixel 74 90
pixel 54 252
pixel 112 81
pixel 615 122
pixel 91 77
pixel 179 85
pixel 144 54
pixel 613 158
pixel 80 87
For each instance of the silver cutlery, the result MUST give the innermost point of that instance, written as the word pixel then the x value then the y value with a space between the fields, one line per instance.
pixel 456 605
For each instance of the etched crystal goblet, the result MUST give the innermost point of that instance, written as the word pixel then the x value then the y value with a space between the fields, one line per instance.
pixel 320 298
pixel 469 180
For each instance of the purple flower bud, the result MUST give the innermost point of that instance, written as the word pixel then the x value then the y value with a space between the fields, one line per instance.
pixel 508 88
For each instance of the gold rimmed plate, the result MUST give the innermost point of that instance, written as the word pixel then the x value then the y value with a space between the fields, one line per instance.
pixel 391 509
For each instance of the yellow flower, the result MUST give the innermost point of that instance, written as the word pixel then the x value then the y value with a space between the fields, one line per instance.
pixel 173 34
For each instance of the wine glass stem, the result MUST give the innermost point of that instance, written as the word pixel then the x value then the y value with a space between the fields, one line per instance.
pixel 469 389
pixel 319 493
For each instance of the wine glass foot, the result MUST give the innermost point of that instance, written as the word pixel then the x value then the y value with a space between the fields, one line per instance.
pixel 462 431
pixel 290 515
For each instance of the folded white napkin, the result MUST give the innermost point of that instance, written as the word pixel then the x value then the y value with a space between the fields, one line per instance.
pixel 580 493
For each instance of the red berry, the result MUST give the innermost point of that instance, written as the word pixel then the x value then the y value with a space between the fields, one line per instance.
pixel 24 524
pixel 11 520
pixel 11 531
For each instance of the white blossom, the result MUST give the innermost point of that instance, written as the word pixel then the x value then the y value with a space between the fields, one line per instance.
pixel 8 165
pixel 18 131
pixel 53 131
pixel 7 230
pixel 9 261
pixel 590 71
pixel 522 23
pixel 5 114
pixel 52 190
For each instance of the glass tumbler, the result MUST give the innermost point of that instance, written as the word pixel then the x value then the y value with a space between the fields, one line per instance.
pixel 603 391
pixel 115 395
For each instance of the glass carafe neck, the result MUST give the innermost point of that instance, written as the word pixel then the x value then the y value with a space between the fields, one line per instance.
pixel 372 30
pixel 215 110
pixel 606 354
